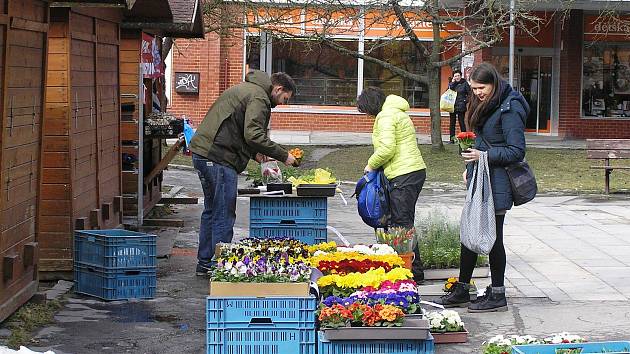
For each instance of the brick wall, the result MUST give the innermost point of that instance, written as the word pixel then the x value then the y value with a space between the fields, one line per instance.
pixel 570 123
pixel 202 56
pixel 327 122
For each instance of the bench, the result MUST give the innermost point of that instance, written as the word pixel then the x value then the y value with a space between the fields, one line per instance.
pixel 607 150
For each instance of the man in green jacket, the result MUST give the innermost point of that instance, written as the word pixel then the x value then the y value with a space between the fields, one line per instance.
pixel 234 131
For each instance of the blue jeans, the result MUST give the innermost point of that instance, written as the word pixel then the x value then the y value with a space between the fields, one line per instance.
pixel 219 185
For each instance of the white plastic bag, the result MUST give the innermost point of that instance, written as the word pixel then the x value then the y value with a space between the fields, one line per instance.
pixel 447 101
pixel 271 172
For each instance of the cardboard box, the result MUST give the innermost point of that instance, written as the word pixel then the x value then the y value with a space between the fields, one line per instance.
pixel 223 289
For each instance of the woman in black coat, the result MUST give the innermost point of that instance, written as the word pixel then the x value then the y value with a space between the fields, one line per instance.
pixel 497 115
pixel 459 85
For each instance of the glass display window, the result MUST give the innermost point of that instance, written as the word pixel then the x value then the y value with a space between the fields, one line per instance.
pixel 606 80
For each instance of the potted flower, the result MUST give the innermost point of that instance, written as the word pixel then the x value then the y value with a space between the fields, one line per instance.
pixel 447 327
pixel 501 344
pixel 402 240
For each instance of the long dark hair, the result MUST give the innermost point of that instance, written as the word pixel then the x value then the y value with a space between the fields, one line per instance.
pixel 477 111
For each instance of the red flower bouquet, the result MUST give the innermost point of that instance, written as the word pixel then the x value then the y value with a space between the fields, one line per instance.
pixel 466 140
pixel 346 266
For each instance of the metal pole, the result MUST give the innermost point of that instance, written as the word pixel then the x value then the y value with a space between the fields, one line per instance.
pixel 512 34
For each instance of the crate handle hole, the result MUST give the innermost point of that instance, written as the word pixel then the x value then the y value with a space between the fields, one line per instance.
pixel 261 321
pixel 132 272
pixel 287 222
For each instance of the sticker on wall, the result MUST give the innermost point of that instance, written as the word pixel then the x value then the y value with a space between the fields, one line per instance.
pixel 187 82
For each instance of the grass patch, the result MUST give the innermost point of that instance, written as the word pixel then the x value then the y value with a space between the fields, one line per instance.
pixel 557 170
pixel 438 239
pixel 28 318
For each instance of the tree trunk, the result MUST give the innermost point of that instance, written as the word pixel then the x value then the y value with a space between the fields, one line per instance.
pixel 434 84
pixel 434 106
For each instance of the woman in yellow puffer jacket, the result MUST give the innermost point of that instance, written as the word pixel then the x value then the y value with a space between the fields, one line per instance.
pixel 396 152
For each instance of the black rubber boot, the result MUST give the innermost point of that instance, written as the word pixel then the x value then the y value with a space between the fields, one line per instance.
pixel 459 297
pixel 495 301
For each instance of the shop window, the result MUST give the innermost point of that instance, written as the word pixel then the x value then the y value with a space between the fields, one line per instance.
pixel 323 76
pixel 403 55
pixel 252 54
pixel 606 80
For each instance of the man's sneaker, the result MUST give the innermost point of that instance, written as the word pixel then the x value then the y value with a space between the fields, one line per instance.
pixel 458 297
pixel 202 270
pixel 492 302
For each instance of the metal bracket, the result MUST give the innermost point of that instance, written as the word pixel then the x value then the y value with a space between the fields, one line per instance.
pixel 91 108
pixel 76 110
pixel 11 116
pixel 33 127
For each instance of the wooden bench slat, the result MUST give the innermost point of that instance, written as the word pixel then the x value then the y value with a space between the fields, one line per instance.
pixel 607 144
pixel 608 154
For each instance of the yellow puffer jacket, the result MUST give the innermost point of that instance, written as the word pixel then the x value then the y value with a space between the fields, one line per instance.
pixel 394 140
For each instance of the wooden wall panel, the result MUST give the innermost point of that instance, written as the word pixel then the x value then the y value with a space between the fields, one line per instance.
pixel 83 112
pixel 22 66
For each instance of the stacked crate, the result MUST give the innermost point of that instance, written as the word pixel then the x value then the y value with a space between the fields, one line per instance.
pixel 115 264
pixel 301 218
pixel 269 325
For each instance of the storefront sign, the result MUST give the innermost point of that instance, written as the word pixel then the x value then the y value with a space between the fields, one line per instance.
pixel 187 82
pixel 152 66
pixel 607 28
pixel 342 23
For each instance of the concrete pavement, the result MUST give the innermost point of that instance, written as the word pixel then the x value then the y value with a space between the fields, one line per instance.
pixel 568 270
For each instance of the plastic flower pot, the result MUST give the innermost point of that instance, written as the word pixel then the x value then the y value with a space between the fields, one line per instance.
pixel 407 258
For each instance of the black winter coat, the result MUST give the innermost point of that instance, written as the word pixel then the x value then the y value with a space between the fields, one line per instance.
pixel 463 90
pixel 505 131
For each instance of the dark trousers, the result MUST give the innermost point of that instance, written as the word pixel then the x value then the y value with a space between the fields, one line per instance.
pixel 497 259
pixel 219 184
pixel 457 116
pixel 403 195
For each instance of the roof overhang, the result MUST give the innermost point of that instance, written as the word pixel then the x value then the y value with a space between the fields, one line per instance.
pixel 127 4
pixel 174 25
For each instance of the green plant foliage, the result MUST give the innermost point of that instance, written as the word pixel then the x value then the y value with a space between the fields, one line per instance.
pixel 438 240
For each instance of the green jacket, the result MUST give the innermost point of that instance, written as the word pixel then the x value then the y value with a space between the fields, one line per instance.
pixel 394 140
pixel 235 127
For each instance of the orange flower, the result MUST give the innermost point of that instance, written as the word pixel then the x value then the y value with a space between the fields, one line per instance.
pixel 390 313
pixel 297 153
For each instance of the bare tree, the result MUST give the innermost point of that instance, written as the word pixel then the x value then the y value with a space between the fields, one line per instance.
pixel 457 29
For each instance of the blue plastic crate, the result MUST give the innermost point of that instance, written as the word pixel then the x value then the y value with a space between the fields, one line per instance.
pixel 289 210
pixel 374 346
pixel 115 284
pixel 260 340
pixel 307 234
pixel 585 348
pixel 243 312
pixel 115 249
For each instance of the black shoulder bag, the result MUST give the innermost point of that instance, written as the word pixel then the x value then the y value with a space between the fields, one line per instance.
pixel 522 180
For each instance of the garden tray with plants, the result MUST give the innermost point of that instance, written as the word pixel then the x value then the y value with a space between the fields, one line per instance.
pixel 377 333
pixel 368 294
pixel 261 267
